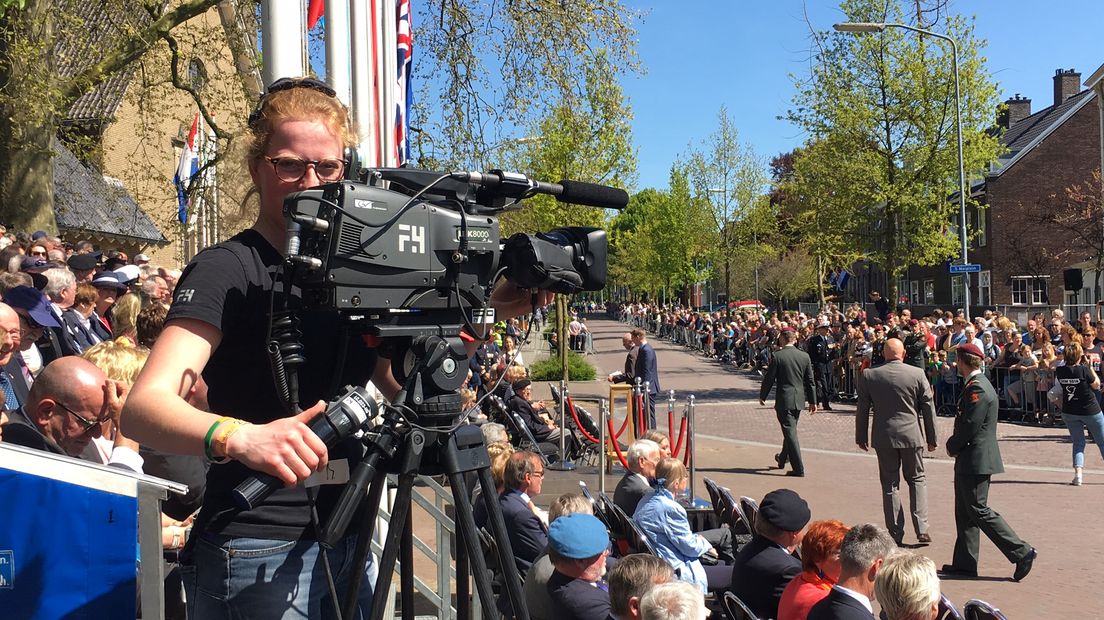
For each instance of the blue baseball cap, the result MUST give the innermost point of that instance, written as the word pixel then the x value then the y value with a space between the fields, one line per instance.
pixel 578 536
pixel 34 302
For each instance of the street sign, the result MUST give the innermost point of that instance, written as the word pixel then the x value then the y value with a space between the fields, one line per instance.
pixel 967 268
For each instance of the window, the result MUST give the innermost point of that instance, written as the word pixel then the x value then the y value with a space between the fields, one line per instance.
pixel 929 292
pixel 980 227
pixel 902 294
pixel 914 292
pixel 1028 290
pixel 958 289
pixel 984 289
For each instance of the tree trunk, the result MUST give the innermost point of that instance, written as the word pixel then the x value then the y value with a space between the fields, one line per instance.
pixel 561 329
pixel 820 282
pixel 27 128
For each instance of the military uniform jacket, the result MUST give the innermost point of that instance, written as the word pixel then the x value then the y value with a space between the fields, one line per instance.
pixel 792 370
pixel 974 441
pixel 818 350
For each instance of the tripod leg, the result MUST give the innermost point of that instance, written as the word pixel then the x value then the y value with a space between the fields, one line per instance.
pixel 391 545
pixel 465 521
pixel 505 553
pixel 463 582
pixel 364 544
pixel 406 573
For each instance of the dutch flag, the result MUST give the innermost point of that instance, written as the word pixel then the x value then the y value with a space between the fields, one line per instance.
pixel 189 164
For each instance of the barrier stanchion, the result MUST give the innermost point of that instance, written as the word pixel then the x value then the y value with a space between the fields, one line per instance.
pixel 603 415
pixel 689 456
pixel 563 464
pixel 671 414
pixel 646 407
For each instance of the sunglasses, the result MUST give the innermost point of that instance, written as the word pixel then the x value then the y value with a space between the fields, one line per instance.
pixel 288 84
pixel 85 423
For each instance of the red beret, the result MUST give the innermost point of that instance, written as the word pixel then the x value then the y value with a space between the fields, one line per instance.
pixel 788 329
pixel 970 348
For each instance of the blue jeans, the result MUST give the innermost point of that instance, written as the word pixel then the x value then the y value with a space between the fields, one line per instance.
pixel 1077 425
pixel 234 578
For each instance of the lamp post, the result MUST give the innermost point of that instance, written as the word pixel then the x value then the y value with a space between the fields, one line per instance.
pixel 879 27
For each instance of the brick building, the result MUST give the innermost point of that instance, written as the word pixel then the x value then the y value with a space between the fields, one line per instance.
pixel 1023 257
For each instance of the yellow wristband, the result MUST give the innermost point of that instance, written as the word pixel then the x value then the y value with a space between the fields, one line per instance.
pixel 228 428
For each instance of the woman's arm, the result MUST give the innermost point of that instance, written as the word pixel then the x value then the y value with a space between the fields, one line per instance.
pixel 156 413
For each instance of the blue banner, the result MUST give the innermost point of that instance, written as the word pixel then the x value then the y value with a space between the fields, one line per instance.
pixel 66 551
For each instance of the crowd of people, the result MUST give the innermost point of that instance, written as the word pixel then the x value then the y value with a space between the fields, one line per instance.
pixel 1023 362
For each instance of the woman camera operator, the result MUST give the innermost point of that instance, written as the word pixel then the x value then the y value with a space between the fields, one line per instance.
pixel 264 562
pixel 1080 409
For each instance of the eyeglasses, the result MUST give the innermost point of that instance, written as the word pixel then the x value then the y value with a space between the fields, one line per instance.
pixel 38 252
pixel 85 423
pixel 292 169
pixel 288 84
pixel 538 474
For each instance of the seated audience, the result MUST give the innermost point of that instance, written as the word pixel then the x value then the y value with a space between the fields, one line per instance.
pixel 676 600
pixel 124 317
pixel 536 582
pixel 864 549
pixel 631 578
pixel 820 563
pixel 120 361
pixel 523 478
pixel 661 439
pixel 536 417
pixel 578 545
pixel 665 522
pixel 67 406
pixel 12 381
pixel 907 587
pixel 642 457
pixel 765 566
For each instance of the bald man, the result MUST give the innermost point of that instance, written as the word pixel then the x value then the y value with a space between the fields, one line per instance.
pixel 625 376
pixel 66 408
pixel 904 421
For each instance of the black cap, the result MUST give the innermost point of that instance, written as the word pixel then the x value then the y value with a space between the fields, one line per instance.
pixel 785 510
pixel 83 262
pixel 521 384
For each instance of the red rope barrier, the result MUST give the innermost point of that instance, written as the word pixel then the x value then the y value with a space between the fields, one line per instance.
pixel 624 425
pixel 681 436
pixel 617 446
pixel 578 424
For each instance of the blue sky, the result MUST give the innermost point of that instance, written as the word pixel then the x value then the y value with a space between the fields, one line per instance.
pixel 741 53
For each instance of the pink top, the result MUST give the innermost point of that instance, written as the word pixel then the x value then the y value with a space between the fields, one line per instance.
pixel 801 594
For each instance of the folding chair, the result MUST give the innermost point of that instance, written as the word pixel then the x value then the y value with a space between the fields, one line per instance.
pixel 638 540
pixel 715 498
pixel 736 608
pixel 977 609
pixel 738 520
pixel 751 511
pixel 947 610
pixel 515 426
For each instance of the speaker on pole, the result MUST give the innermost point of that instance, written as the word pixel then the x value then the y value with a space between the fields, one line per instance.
pixel 1071 279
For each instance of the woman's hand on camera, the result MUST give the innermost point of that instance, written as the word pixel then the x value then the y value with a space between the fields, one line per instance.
pixel 285 448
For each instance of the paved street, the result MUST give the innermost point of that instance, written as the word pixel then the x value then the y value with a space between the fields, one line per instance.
pixel 737 438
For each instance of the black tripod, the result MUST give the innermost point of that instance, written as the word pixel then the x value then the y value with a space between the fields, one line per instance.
pixel 418 437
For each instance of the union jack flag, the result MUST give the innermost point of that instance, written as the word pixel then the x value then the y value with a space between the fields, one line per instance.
pixel 404 91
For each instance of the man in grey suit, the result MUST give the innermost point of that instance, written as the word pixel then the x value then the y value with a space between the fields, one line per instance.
pixel 642 456
pixel 792 371
pixel 904 422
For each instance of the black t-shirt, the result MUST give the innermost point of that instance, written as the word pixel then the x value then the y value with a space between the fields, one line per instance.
pixel 1078 397
pixel 228 286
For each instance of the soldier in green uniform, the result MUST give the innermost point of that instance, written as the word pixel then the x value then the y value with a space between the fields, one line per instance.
pixel 792 370
pixel 977 457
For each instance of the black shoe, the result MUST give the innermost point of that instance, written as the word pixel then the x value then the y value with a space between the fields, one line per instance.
pixel 781 462
pixel 796 474
pixel 952 570
pixel 1023 567
pixel 924 539
pixel 827 408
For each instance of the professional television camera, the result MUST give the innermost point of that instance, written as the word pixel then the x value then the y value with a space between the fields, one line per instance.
pixel 422 253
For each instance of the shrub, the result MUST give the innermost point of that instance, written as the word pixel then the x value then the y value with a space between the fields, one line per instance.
pixel 550 369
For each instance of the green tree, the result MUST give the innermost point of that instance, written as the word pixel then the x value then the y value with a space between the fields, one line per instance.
pixel 731 177
pixel 40 84
pixel 885 102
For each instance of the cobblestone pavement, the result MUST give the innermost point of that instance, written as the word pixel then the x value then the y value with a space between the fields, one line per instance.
pixel 737 438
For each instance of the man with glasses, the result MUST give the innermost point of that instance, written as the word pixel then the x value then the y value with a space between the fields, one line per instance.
pixel 34 317
pixel 578 547
pixel 66 409
pixel 524 478
pixel 9 347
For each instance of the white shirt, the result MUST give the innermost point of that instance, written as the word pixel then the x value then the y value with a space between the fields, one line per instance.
pixel 862 598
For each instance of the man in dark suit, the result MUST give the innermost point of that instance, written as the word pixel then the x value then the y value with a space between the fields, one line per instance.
pixel 862 553
pixel 13 387
pixel 647 371
pixel 977 457
pixel 765 565
pixel 626 375
pixel 578 547
pixel 904 415
pixel 792 371
pixel 642 456
pixel 524 476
